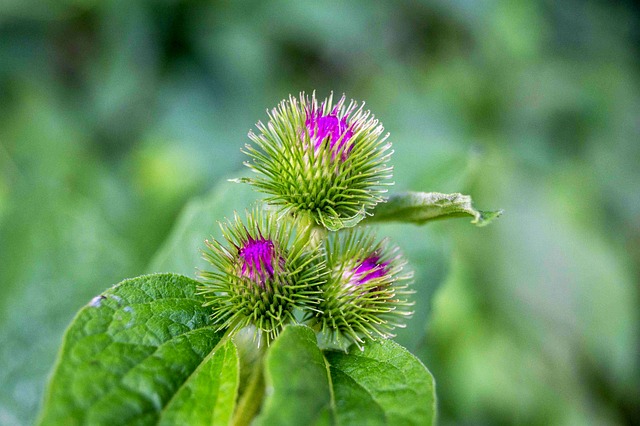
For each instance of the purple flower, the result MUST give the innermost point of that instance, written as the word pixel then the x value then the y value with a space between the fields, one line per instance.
pixel 336 129
pixel 368 269
pixel 257 260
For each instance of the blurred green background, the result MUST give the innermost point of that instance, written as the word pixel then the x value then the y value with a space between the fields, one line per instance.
pixel 121 120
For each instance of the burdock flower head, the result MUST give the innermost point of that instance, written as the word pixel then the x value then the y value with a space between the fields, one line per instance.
pixel 262 273
pixel 366 291
pixel 323 160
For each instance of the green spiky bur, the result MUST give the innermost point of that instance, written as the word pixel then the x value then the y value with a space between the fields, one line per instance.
pixel 357 306
pixel 238 296
pixel 336 180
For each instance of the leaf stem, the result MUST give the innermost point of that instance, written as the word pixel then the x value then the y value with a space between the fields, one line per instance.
pixel 327 366
pixel 250 401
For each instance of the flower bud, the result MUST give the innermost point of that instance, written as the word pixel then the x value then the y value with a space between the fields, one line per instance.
pixel 261 274
pixel 366 291
pixel 325 161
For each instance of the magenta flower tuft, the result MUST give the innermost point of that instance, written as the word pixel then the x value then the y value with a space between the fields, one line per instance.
pixel 257 258
pixel 336 129
pixel 369 269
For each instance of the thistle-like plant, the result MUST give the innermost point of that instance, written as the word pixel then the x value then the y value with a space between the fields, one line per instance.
pixel 323 160
pixel 263 273
pixel 164 349
pixel 366 291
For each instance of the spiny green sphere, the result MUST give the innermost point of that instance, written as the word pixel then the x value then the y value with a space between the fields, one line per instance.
pixel 366 292
pixel 323 160
pixel 261 274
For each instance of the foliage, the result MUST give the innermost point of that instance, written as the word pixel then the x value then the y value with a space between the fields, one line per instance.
pixel 421 207
pixel 146 352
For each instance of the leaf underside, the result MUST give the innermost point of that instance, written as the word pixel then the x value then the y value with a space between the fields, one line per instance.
pixel 422 207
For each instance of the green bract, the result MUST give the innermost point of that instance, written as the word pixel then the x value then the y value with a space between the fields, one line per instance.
pixel 327 161
pixel 366 291
pixel 264 272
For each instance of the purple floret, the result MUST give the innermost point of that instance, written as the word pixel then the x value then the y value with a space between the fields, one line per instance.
pixel 321 127
pixel 369 269
pixel 257 259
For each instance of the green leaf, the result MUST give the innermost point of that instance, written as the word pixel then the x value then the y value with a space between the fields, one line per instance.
pixel 208 396
pixel 143 352
pixel 297 384
pixel 422 207
pixel 384 384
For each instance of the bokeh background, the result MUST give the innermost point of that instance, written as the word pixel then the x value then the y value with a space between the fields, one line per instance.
pixel 120 122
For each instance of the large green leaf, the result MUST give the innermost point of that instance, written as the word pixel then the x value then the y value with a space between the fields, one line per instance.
pixel 297 385
pixel 384 384
pixel 422 207
pixel 143 352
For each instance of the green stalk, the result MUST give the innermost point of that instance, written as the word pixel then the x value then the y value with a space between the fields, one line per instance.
pixel 252 359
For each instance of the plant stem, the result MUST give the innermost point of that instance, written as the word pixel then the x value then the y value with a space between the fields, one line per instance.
pixel 250 401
